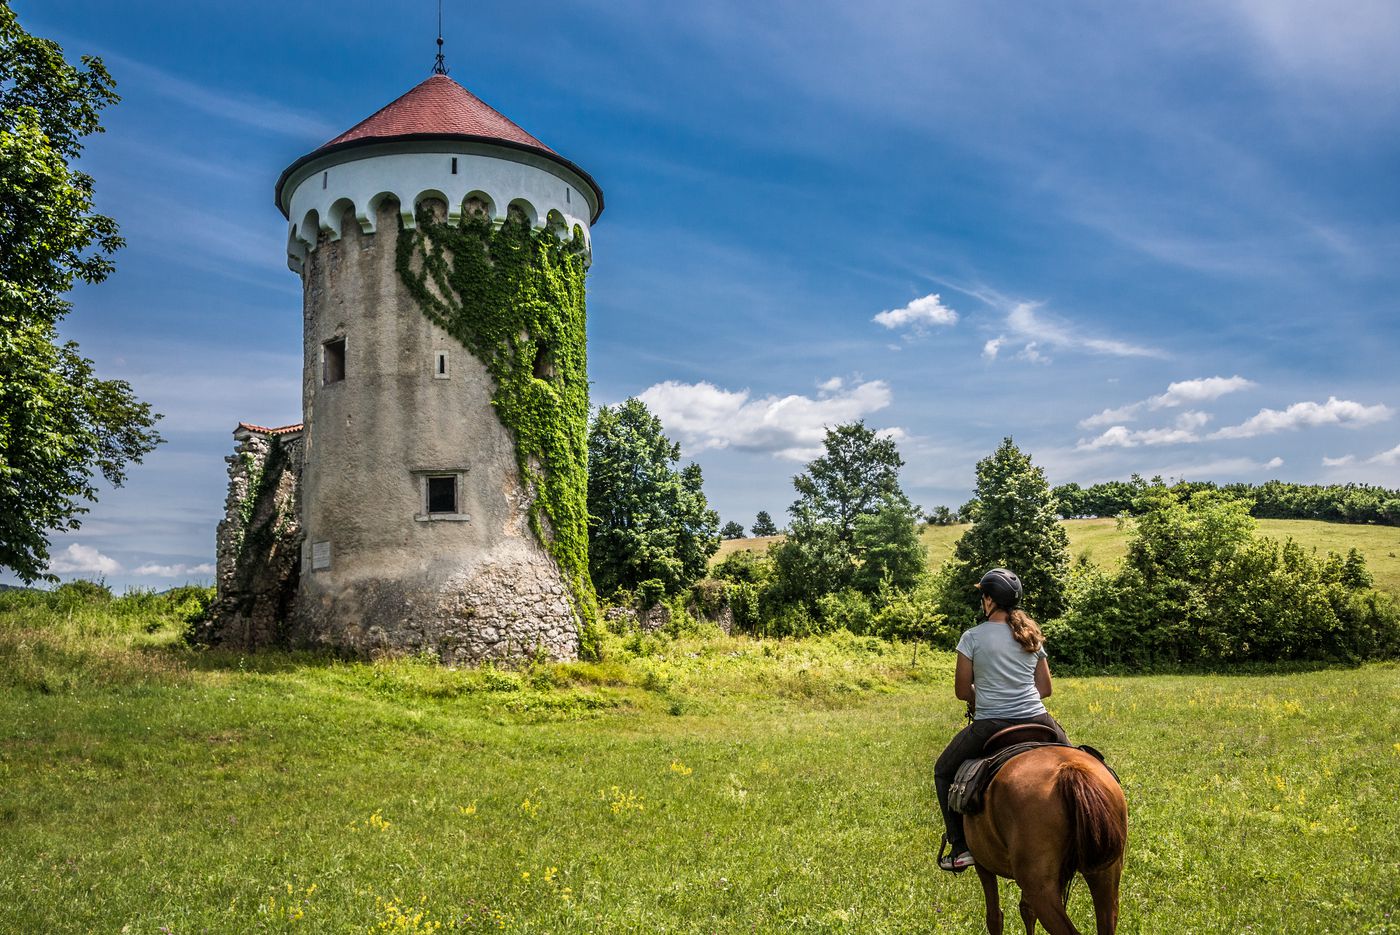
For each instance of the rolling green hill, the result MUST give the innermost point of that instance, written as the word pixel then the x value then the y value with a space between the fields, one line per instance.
pixel 1106 544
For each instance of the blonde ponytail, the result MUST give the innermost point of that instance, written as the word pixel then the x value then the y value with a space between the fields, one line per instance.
pixel 1025 630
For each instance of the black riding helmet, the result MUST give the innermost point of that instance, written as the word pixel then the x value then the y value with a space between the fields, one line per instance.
pixel 1002 586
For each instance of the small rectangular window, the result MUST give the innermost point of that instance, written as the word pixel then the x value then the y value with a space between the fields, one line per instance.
pixel 325 177
pixel 568 196
pixel 440 366
pixel 333 361
pixel 442 494
pixel 454 165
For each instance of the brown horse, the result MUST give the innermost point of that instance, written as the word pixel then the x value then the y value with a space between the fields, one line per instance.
pixel 1049 813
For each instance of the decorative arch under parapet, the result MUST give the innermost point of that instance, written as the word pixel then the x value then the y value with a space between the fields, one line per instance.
pixel 520 209
pixel 333 224
pixel 454 210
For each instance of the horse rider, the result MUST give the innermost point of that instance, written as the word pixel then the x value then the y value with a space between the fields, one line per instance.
pixel 1002 674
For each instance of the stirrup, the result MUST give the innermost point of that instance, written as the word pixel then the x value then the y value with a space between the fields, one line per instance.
pixel 950 861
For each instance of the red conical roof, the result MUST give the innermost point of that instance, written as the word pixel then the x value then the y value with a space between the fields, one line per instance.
pixel 438 106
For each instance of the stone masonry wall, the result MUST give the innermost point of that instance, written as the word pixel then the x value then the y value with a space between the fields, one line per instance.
pixel 258 544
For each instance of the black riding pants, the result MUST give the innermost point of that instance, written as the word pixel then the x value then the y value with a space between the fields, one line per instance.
pixel 966 745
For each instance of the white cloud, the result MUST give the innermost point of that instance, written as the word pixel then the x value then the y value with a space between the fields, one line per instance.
pixel 701 416
pixel 919 314
pixel 1391 457
pixel 1338 462
pixel 1024 321
pixel 1120 436
pixel 1194 392
pixel 149 570
pixel 1031 354
pixel 831 386
pixel 992 347
pixel 83 559
pixel 1343 412
pixel 1274 462
pixel 1182 393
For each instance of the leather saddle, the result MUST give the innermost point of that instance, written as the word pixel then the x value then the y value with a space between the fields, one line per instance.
pixel 975 775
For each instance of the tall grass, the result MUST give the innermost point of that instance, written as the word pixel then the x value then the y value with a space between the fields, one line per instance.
pixel 699 784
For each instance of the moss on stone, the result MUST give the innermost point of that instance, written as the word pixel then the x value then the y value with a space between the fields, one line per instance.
pixel 514 298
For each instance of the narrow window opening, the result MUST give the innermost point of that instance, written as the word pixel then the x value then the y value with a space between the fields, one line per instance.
pixel 333 361
pixel 544 367
pixel 454 165
pixel 442 494
pixel 325 178
pixel 568 196
pixel 440 366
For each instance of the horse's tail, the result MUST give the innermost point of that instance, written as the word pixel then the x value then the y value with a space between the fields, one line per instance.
pixel 1098 835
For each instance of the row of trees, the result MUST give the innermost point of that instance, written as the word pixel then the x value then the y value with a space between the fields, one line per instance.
pixel 1337 503
pixel 1199 584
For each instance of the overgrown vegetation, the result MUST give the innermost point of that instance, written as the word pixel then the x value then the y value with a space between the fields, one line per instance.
pixel 514 297
pixel 1199 586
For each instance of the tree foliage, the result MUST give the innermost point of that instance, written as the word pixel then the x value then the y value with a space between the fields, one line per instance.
pixel 857 474
pixel 852 526
pixel 1014 526
pixel 647 520
pixel 1200 586
pixel 1337 503
pixel 732 530
pixel 763 525
pixel 59 424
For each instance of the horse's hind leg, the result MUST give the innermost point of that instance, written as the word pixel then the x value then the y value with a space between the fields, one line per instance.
pixel 1028 916
pixel 1050 911
pixel 1103 886
pixel 989 891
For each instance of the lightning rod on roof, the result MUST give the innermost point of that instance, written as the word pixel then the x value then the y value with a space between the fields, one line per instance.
pixel 440 65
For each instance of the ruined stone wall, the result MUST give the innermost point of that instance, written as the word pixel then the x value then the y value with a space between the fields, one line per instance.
pixel 258 544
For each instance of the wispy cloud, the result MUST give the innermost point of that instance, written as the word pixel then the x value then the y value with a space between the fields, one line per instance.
pixel 993 347
pixel 152 570
pixel 1343 412
pixel 920 314
pixel 1025 321
pixel 249 110
pixel 1183 393
pixel 702 415
pixel 1389 458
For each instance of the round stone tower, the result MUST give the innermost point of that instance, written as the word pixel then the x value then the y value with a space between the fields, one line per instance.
pixel 444 386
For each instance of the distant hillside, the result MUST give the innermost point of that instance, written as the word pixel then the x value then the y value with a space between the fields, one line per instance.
pixel 1106 544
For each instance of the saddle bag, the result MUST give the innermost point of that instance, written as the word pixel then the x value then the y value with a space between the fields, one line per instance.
pixel 965 794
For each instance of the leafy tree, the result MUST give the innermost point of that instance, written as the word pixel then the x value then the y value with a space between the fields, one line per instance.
pixel 857 474
pixel 647 520
pixel 763 525
pixel 59 423
pixel 1015 527
pixel 852 526
pixel 732 530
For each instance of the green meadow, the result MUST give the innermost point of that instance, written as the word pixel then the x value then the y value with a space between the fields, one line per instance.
pixel 700 784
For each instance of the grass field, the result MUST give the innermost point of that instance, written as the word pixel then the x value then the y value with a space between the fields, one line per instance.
pixel 704 785
pixel 1106 544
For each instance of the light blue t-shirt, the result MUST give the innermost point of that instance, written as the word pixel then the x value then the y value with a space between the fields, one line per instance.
pixel 1002 671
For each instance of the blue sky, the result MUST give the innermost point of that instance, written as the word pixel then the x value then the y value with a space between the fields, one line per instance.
pixel 1136 237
